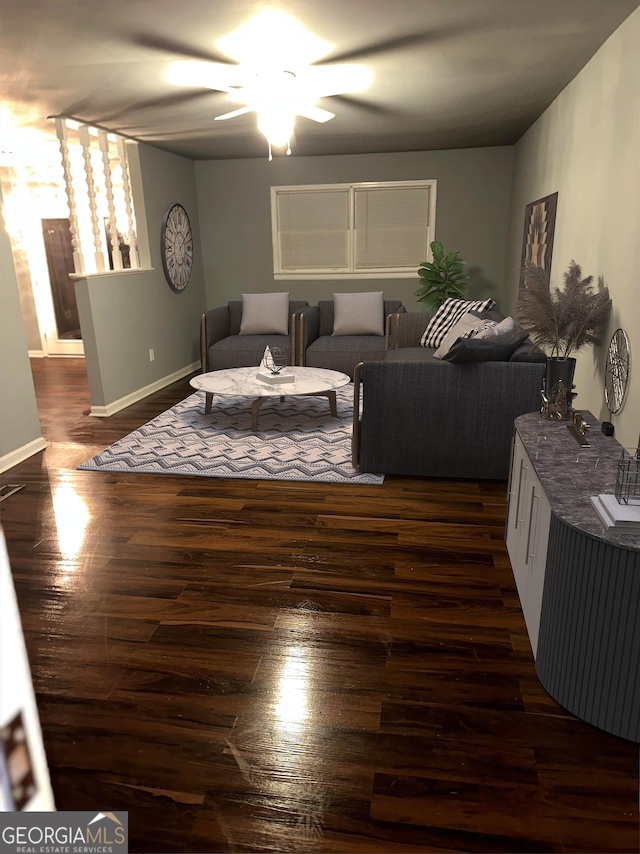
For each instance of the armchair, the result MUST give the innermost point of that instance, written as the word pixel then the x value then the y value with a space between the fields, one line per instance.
pixel 319 347
pixel 222 346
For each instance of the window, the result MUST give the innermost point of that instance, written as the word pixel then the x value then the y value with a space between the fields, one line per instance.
pixel 372 230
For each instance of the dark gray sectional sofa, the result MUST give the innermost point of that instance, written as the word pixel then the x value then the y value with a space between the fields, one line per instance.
pixel 433 418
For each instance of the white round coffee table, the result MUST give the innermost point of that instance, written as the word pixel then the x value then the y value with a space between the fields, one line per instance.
pixel 243 382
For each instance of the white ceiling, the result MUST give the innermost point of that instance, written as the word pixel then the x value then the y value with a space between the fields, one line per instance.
pixel 446 73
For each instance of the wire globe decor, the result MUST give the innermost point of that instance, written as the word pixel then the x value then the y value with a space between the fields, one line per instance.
pixel 275 359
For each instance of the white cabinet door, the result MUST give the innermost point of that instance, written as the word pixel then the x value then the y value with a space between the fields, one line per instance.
pixel 527 535
pixel 535 555
pixel 520 469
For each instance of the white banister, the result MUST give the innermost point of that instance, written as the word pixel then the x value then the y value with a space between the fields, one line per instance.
pixel 78 258
pixel 116 255
pixel 126 186
pixel 85 142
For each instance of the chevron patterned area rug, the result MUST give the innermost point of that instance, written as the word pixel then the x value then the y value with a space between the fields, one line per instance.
pixel 298 439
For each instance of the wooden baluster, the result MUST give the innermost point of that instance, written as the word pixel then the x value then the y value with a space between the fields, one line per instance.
pixel 78 258
pixel 126 186
pixel 103 142
pixel 85 142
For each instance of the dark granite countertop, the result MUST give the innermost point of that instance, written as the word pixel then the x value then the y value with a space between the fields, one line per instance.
pixel 570 475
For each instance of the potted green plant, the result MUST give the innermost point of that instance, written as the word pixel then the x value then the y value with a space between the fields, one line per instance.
pixel 561 322
pixel 441 278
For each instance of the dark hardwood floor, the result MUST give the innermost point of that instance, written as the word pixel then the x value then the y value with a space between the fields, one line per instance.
pixel 252 666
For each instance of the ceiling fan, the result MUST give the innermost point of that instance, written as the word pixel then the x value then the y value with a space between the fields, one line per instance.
pixel 270 70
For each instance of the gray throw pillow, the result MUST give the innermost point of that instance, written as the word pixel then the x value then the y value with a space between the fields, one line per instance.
pixel 265 314
pixel 466 327
pixel 358 314
pixel 497 348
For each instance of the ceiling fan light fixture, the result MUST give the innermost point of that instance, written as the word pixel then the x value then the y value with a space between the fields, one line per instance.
pixel 274 37
pixel 276 126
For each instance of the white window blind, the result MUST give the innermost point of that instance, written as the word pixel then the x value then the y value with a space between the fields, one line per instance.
pixel 314 230
pixel 391 227
pixel 342 230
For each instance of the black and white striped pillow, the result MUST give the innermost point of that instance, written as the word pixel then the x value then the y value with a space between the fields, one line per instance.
pixel 448 315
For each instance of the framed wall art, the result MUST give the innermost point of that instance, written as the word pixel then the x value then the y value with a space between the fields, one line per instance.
pixel 539 227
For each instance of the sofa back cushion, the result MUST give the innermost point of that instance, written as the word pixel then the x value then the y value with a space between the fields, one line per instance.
pixel 358 314
pixel 235 314
pixel 326 313
pixel 265 314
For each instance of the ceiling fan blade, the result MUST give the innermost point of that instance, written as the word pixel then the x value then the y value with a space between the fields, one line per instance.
pixel 316 114
pixel 210 75
pixel 364 104
pixel 324 80
pixel 233 114
pixel 386 46
pixel 174 100
pixel 169 45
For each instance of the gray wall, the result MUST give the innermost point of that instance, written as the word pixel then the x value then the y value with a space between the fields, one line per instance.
pixel 25 291
pixel 19 423
pixel 586 147
pixel 474 187
pixel 123 315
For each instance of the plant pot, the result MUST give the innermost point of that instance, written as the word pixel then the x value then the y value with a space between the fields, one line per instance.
pixel 556 404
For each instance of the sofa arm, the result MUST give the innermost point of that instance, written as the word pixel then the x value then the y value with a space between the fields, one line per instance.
pixel 294 327
pixel 355 436
pixel 406 329
pixel 214 326
pixel 438 419
pixel 307 330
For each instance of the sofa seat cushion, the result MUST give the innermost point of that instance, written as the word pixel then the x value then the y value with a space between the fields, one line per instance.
pixel 244 351
pixel 412 354
pixel 343 352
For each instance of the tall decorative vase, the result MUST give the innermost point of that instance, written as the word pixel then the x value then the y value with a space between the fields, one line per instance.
pixel 557 405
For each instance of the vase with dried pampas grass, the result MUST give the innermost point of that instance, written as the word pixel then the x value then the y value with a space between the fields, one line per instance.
pixel 561 322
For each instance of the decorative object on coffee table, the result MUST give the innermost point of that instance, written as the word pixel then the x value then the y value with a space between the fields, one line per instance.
pixel 270 369
pixel 274 359
pixel 441 278
pixel 561 321
pixel 539 228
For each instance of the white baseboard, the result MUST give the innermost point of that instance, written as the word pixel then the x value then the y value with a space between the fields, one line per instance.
pixel 36 354
pixel 8 461
pixel 139 394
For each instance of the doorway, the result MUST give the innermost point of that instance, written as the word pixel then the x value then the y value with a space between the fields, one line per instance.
pixel 61 326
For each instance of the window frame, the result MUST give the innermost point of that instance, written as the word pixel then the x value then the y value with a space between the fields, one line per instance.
pixel 350 272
